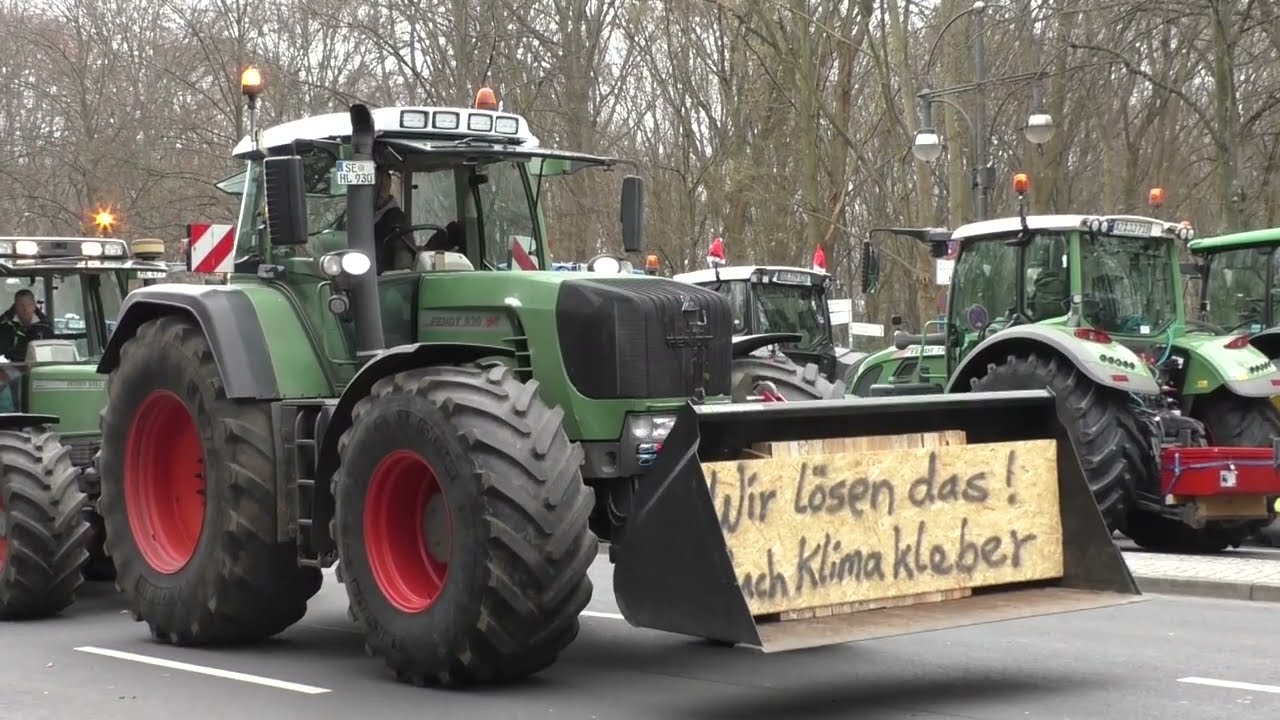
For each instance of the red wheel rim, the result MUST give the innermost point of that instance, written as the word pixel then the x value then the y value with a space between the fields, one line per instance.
pixel 164 486
pixel 408 531
pixel 4 534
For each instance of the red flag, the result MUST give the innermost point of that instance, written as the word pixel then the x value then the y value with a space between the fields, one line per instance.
pixel 819 260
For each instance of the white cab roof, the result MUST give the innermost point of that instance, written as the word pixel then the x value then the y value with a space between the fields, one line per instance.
pixel 735 272
pixel 448 123
pixel 1007 225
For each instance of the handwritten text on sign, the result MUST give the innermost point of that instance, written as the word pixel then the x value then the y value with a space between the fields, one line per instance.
pixel 830 529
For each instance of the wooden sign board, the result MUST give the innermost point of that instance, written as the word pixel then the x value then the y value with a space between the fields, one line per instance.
pixel 855 527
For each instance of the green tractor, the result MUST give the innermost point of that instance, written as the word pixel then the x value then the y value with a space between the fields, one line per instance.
pixel 1170 415
pixel 50 535
pixel 458 435
pixel 781 326
pixel 914 364
pixel 1240 276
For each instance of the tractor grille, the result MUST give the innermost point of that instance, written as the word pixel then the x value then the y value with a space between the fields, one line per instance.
pixel 82 451
pixel 642 337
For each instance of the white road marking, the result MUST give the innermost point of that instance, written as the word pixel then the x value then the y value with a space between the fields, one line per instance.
pixel 200 669
pixel 607 616
pixel 1274 689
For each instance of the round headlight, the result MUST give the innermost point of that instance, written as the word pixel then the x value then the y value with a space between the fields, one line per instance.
pixel 356 263
pixel 91 248
pixel 331 265
pixel 607 265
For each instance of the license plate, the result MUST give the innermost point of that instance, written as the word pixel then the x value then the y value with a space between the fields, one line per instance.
pixel 356 172
pixel 1130 227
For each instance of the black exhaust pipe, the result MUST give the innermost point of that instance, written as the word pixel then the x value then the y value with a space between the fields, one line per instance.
pixel 360 201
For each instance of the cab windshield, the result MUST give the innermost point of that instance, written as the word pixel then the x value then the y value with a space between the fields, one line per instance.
pixel 792 309
pixel 1238 288
pixel 1128 283
pixel 483 202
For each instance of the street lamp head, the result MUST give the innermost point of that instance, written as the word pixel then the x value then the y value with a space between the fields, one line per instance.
pixel 927 146
pixel 1039 128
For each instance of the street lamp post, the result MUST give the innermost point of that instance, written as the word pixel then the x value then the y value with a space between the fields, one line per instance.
pixel 927 146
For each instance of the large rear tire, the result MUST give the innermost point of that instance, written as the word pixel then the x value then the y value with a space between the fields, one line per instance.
pixel 42 526
pixel 794 382
pixel 1114 451
pixel 462 526
pixel 188 497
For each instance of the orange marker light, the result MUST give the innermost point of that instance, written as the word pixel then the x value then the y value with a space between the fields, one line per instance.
pixel 651 263
pixel 1155 198
pixel 104 219
pixel 485 99
pixel 1021 183
pixel 251 81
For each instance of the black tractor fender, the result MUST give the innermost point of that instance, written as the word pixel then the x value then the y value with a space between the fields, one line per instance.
pixel 389 362
pixel 229 321
pixel 1267 342
pixel 1022 340
pixel 744 345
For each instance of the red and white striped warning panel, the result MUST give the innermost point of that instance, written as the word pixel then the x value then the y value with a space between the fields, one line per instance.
pixel 211 248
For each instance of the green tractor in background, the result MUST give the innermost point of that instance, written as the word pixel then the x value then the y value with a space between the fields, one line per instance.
pixel 1240 276
pixel 50 535
pixel 914 364
pixel 1171 416
pixel 781 327
pixel 457 430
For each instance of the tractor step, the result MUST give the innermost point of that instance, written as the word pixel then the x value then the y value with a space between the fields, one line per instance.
pixel 304 502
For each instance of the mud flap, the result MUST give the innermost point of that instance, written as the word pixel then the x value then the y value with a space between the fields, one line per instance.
pixel 809 566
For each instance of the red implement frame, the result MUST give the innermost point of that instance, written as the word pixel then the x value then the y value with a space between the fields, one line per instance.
pixel 1204 471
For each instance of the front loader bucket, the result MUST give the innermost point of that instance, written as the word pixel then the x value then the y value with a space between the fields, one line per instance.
pixel 793 525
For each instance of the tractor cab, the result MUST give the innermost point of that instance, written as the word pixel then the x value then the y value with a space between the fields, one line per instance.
pixel 1239 280
pixel 770 299
pixel 1102 278
pixel 451 190
pixel 59 301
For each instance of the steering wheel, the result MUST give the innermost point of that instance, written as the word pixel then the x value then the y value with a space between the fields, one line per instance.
pixel 400 232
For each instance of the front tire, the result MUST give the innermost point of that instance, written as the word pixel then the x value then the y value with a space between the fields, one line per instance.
pixel 42 527
pixel 794 382
pixel 1113 450
pixel 462 526
pixel 188 497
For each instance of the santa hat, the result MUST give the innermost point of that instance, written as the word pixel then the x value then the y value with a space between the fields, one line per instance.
pixel 819 260
pixel 715 256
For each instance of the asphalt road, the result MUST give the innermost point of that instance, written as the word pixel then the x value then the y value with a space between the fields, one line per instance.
pixel 1126 662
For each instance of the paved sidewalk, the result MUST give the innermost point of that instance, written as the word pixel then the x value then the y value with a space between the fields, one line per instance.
pixel 1241 574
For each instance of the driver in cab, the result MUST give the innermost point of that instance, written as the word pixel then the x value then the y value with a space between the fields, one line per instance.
pixel 395 247
pixel 19 325
pixel 388 220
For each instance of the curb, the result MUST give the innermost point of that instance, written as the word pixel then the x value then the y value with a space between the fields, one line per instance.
pixel 1220 589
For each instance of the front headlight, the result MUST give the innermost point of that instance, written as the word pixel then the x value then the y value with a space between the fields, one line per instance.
pixel 650 428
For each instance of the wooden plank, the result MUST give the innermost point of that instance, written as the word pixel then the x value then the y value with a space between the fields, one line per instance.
pixel 848 524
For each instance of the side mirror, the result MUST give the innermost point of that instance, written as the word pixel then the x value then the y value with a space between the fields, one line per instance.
pixel 870 268
pixel 632 215
pixel 1192 269
pixel 286 200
